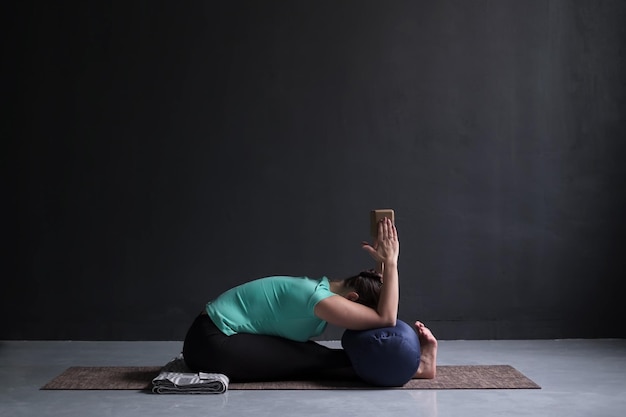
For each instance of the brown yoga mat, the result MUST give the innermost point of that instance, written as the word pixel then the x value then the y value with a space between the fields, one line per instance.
pixel 140 378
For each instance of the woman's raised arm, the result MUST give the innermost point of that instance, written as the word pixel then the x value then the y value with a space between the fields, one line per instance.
pixel 342 312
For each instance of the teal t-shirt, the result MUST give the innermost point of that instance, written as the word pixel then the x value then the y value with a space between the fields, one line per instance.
pixel 278 306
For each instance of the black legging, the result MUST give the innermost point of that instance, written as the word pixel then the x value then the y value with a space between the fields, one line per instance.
pixel 249 357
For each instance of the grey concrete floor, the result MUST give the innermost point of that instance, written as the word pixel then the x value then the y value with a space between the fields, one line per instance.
pixel 578 378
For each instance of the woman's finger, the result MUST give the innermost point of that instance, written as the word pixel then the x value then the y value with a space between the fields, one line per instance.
pixel 372 251
pixel 394 231
pixel 388 227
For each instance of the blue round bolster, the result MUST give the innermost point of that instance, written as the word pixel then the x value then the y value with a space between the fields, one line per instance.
pixel 387 356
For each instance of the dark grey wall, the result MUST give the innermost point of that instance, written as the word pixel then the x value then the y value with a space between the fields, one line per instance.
pixel 164 153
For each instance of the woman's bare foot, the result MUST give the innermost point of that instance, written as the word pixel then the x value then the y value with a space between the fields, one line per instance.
pixel 428 359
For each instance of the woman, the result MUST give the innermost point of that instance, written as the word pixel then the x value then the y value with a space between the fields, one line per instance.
pixel 260 331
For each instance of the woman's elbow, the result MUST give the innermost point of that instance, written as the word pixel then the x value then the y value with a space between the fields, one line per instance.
pixel 390 322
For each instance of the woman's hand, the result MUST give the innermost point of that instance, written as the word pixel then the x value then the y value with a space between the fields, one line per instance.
pixel 387 247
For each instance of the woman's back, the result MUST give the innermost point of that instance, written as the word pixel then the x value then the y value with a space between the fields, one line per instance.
pixel 279 306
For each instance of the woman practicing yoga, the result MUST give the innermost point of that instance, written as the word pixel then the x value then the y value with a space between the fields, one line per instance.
pixel 260 331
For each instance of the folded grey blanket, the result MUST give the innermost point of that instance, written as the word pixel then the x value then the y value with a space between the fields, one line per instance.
pixel 176 378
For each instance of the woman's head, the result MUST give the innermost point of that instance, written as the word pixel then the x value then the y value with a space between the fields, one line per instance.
pixel 367 286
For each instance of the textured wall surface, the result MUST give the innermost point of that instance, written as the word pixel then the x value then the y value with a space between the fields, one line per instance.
pixel 162 154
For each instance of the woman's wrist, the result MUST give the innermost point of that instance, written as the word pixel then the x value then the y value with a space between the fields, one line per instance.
pixel 391 263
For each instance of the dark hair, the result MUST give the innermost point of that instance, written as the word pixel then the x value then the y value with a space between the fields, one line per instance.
pixel 367 284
